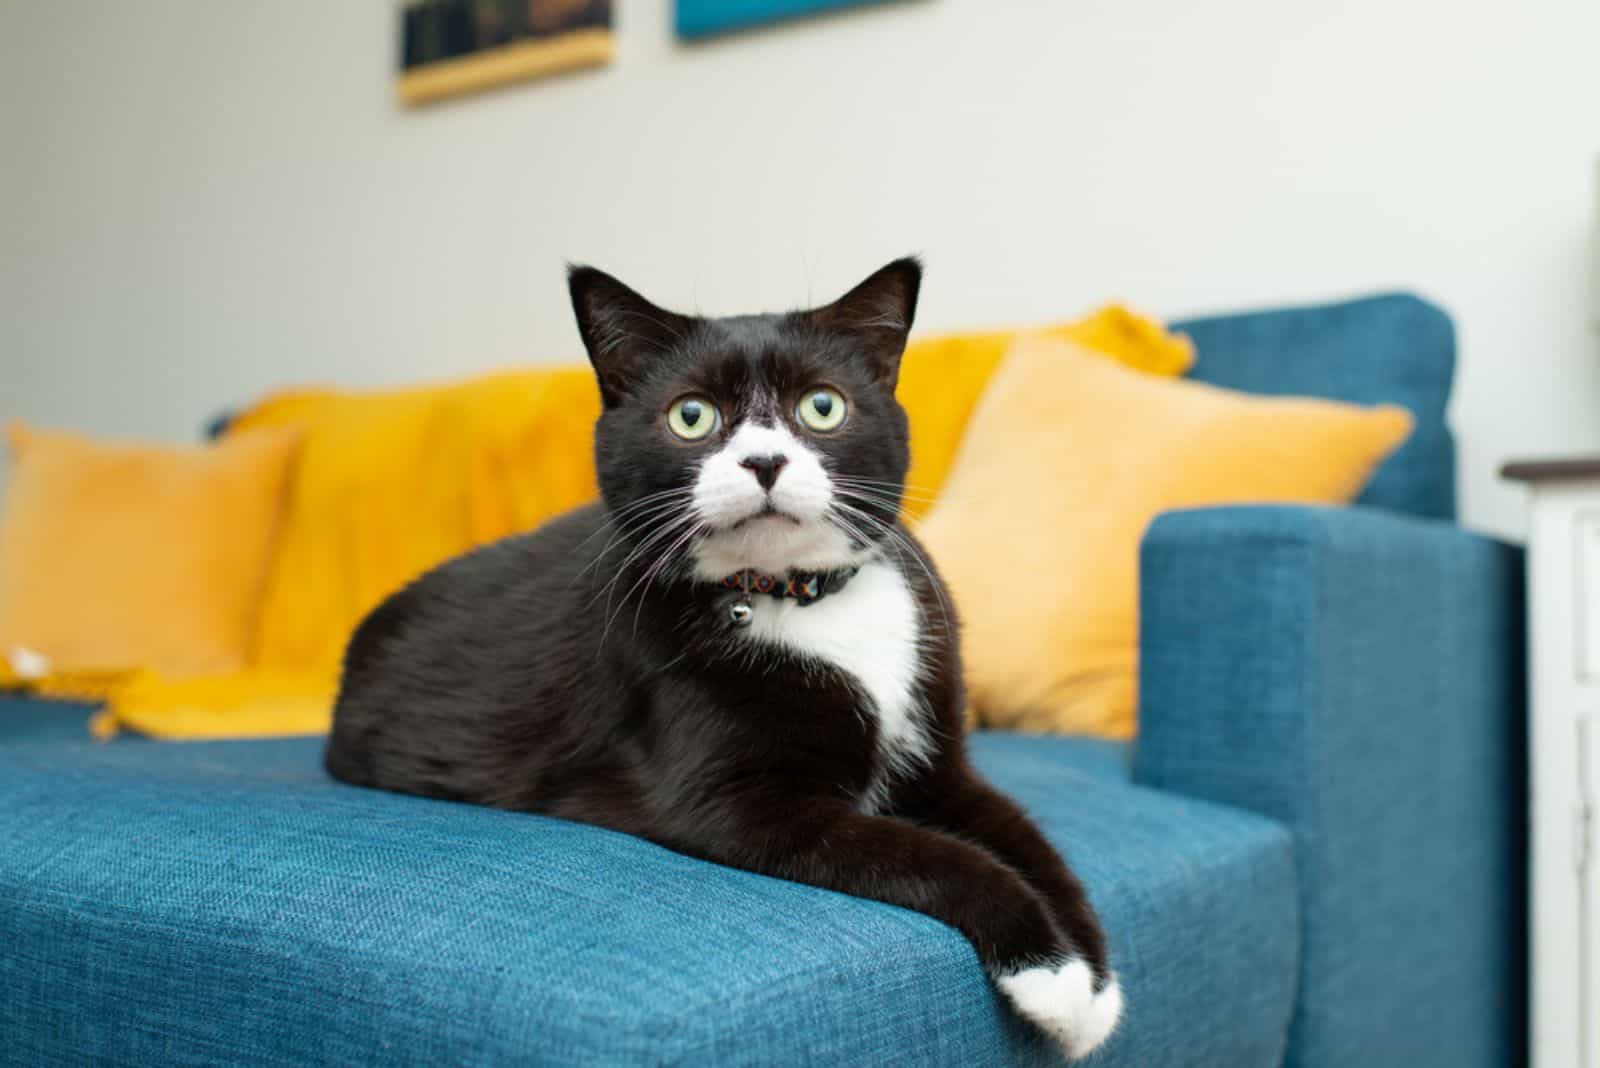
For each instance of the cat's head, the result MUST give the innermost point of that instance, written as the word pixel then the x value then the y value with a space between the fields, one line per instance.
pixel 755 441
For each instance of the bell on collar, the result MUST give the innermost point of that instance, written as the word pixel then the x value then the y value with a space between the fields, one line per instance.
pixel 741 612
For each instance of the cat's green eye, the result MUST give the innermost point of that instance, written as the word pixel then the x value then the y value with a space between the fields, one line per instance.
pixel 822 409
pixel 692 418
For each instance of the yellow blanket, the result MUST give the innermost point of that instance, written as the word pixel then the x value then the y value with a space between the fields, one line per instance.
pixel 391 483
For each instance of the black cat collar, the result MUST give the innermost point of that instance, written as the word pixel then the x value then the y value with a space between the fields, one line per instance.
pixel 803 587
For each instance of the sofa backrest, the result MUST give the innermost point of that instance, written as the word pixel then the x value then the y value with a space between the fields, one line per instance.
pixel 1393 348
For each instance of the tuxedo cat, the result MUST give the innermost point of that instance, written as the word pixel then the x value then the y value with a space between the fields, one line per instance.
pixel 740 654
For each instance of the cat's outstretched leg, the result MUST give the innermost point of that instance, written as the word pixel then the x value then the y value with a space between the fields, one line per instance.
pixel 1076 996
pixel 1008 921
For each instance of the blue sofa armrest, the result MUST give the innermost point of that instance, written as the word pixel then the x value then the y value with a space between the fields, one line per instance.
pixel 1358 676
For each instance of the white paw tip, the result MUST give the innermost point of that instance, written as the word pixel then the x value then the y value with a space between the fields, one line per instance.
pixel 1062 1001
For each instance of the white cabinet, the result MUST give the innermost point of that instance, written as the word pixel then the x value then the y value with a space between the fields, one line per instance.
pixel 1564 751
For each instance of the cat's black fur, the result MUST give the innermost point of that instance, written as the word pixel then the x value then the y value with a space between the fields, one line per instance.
pixel 554 672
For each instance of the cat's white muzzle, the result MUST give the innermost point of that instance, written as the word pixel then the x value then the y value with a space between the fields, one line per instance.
pixel 773 529
pixel 728 493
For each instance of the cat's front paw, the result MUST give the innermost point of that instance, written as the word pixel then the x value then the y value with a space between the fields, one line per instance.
pixel 1062 1001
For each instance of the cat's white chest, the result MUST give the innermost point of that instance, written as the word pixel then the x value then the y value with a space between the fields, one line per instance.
pixel 871 631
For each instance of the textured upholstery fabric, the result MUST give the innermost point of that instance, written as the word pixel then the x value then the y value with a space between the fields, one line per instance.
pixel 1101 758
pixel 1390 349
pixel 227 903
pixel 1356 675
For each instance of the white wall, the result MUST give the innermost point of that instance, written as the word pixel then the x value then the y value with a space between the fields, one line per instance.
pixel 204 199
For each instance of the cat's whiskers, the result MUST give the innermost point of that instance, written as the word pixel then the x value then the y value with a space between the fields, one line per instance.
pixel 635 524
pixel 872 499
pixel 659 568
pixel 682 528
pixel 911 488
pixel 875 496
pixel 655 538
pixel 851 531
pixel 903 548
pixel 631 518
pixel 884 487
pixel 669 542
pixel 889 482
pixel 622 534
pixel 888 502
pixel 915 494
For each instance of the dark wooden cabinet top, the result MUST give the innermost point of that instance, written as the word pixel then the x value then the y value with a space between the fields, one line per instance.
pixel 1565 468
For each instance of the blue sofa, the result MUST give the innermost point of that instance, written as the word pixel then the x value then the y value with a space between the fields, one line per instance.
pixel 1312 856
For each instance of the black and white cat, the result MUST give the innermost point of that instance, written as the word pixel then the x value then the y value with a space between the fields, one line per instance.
pixel 740 654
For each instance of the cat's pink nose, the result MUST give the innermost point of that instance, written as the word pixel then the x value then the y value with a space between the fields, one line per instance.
pixel 765 468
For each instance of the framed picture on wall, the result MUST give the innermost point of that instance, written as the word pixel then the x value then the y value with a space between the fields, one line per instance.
pixel 703 18
pixel 451 47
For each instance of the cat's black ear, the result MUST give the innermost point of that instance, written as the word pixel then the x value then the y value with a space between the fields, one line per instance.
pixel 622 331
pixel 879 312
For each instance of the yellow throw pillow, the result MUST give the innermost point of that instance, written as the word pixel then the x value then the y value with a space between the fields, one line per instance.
pixel 123 556
pixel 942 378
pixel 1066 461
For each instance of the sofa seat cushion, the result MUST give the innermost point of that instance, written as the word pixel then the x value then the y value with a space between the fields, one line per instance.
pixel 227 902
pixel 1020 758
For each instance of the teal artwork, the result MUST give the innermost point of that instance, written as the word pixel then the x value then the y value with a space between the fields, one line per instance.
pixel 702 18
